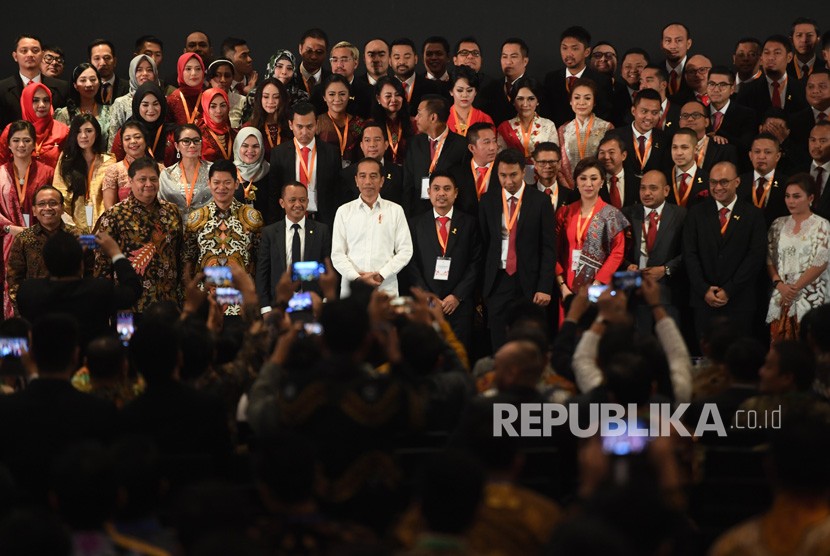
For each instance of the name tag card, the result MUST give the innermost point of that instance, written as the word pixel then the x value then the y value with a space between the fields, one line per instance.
pixel 442 268
pixel 576 254
pixel 89 220
pixel 425 187
pixel 25 219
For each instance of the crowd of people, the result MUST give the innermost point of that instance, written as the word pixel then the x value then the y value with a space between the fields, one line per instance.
pixel 398 252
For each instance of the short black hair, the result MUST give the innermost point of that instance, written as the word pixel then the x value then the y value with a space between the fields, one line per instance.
pixel 180 129
pixel 292 183
pixel 300 109
pixel 646 94
pixel 474 130
pixel 613 136
pixel 605 43
pixel 105 357
pixel 22 36
pixel 373 124
pixel 436 39
pixel 546 146
pixel 371 160
pixel 468 38
pixel 62 255
pixel 139 42
pixel 53 48
pixel 802 21
pixel 636 50
pixel 659 70
pixel 438 105
pixel 154 351
pixel 445 175
pixel 404 41
pixel 230 44
pixel 780 39
pixel 769 137
pixel 100 42
pixel 517 40
pixel 47 187
pixel 141 164
pixel 744 40
pixel 576 32
pixel 315 33
pixel 55 339
pixel 723 70
pixel 222 165
pixel 509 156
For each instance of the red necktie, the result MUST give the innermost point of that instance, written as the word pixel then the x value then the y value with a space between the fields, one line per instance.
pixel 684 184
pixel 723 218
pixel 482 171
pixel 704 98
pixel 615 193
pixel 776 94
pixel 651 235
pixel 511 265
pixel 642 147
pixel 432 146
pixel 304 177
pixel 805 70
pixel 571 80
pixel 821 116
pixel 718 116
pixel 442 230
pixel 549 192
pixel 759 189
pixel 673 81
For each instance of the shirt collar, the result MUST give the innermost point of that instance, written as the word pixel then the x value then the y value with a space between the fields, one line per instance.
pixel 691 171
pixel 730 206
pixel 448 215
pixel 289 223
pixel 817 112
pixel 409 82
pixel 637 134
pixel 317 75
pixel 724 109
pixel 782 81
pixel 37 79
pixel 514 81
pixel 443 135
pixel 577 75
pixel 445 77
pixel 647 211
pixel 679 68
pixel 477 166
pixel 756 175
pixel 815 165
pixel 364 205
pixel 517 195
pixel 311 144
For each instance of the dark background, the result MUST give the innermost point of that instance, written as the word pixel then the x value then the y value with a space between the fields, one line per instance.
pixel 270 25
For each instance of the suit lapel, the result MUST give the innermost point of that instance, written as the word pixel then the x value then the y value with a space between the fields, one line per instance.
pixel 666 223
pixel 734 222
pixel 281 244
pixel 637 232
pixel 310 240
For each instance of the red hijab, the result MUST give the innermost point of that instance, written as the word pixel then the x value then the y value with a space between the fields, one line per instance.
pixel 42 125
pixel 207 97
pixel 184 87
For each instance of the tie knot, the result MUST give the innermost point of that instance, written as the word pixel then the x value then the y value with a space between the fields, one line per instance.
pixel 653 216
pixel 305 150
pixel 776 85
pixel 295 227
pixel 805 69
pixel 481 170
pixel 641 139
pixel 548 191
pixel 822 116
pixel 443 220
pixel 724 211
pixel 614 180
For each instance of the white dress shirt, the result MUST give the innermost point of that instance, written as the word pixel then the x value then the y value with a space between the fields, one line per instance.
pixel 312 179
pixel 784 81
pixel 756 176
pixel 26 80
pixel 577 75
pixel 505 235
pixel 289 240
pixel 730 207
pixel 372 239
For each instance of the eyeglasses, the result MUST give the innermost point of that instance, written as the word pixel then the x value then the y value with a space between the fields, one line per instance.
pixel 699 71
pixel 50 204
pixel 722 183
pixel 187 141
pixel 469 53
pixel 606 55
pixel 341 60
pixel 722 85
pixel 547 162
pixel 693 116
pixel 48 59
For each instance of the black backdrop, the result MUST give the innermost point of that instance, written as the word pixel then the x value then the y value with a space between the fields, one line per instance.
pixel 715 25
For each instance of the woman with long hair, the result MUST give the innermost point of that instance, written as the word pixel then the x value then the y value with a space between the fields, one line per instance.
pixel 392 111
pixel 337 126
pixel 83 99
pixel 79 174
pixel 270 114
pixel 116 185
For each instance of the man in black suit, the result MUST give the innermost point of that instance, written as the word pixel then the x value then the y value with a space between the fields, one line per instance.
pixel 50 414
pixel 475 177
pixel 695 76
pixel 373 143
pixel 820 166
pixel 621 187
pixel 818 98
pixel 657 254
pixel 547 159
pixel 314 44
pixel 654 77
pixel 102 57
pixel 747 62
pixel 93 301
pixel 436 51
pixel 27 54
pixel 434 149
pixel 575 48
pixel 724 248
pixel 689 184
pixel 496 97
pixel 774 90
pixel 764 186
pixel 676 42
pixel 708 151
pixel 446 255
pixel 517 229
pixel 729 121
pixel 633 62
pixel 376 60
pixel 345 57
pixel 296 238
pixel 647 145
pixel 804 35
pixel 318 158
pixel 404 60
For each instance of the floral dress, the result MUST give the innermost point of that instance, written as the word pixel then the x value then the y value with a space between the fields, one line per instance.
pixel 511 135
pixel 573 147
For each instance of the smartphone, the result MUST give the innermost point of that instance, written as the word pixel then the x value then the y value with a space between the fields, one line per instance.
pixel 228 296
pixel 299 302
pixel 307 271
pixel 625 444
pixel 401 305
pixel 88 241
pixel 219 276
pixel 595 291
pixel 13 347
pixel 124 326
pixel 312 329
pixel 627 280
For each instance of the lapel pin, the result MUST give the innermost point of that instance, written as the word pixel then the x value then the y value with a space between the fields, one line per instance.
pixel 454 230
pixel 656 145
pixel 775 183
pixel 389 176
pixel 736 217
pixel 311 232
pixel 699 179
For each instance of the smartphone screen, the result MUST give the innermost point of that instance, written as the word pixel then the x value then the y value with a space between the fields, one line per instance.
pixel 124 326
pixel 88 241
pixel 627 280
pixel 13 347
pixel 219 276
pixel 228 296
pixel 299 302
pixel 595 291
pixel 307 271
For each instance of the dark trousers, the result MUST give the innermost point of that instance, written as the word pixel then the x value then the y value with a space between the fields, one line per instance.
pixel 461 321
pixel 505 290
pixel 740 321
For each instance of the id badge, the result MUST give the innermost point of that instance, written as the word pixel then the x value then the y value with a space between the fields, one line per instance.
pixel 425 187
pixel 530 173
pixel 442 268
pixel 345 163
pixel 26 219
pixel 576 254
pixel 89 219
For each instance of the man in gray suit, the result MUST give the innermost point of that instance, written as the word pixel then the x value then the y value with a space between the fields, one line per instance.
pixel 655 245
pixel 295 238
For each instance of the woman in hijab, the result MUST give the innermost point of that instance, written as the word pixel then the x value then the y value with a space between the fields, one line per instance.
pixel 282 66
pixel 217 134
pixel 252 170
pixel 149 108
pixel 270 114
pixel 184 104
pixel 142 70
pixel 36 106
pixel 220 76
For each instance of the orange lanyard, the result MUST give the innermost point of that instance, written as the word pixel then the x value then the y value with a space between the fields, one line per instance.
pixel 22 188
pixel 525 136
pixel 481 189
pixel 39 147
pixel 580 146
pixel 89 175
pixel 188 116
pixel 156 142
pixel 461 127
pixel 760 202
pixel 268 135
pixel 511 222
pixel 681 202
pixel 343 137
pixel 310 167
pixel 643 159
pixel 408 90
pixel 441 241
pixel 246 189
pixel 582 228
pixel 726 224
pixel 438 150
pixel 188 193
pixel 222 149
pixel 798 69
pixel 701 154
pixel 394 145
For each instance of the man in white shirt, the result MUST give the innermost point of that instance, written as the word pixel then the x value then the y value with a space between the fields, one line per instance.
pixel 371 240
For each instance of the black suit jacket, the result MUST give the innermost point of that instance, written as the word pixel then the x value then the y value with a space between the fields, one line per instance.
pixel 327 164
pixel 463 247
pixel 271 258
pixel 621 104
pixel 775 206
pixel 631 191
pixel 684 92
pixel 671 120
pixel 756 95
pixel 821 206
pixel 441 87
pixel 718 153
pixel 801 124
pixel 392 184
pixel 659 157
pixel 730 261
pixel 416 167
pixel 361 98
pixel 556 105
pixel 739 127
pixel 467 200
pixel 420 87
pixel 12 87
pixel 668 246
pixel 492 99
pixel 700 188
pixel 535 243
